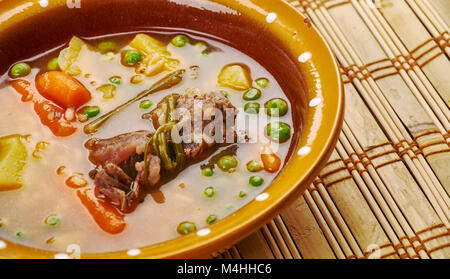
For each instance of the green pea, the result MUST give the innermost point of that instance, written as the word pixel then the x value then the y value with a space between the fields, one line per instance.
pixel 180 40
pixel 262 82
pixel 252 108
pixel 254 166
pixel 252 94
pixel 256 181
pixel 106 46
pixel 53 65
pixel 52 220
pixel 186 228
pixel 276 107
pixel 209 192
pixel 20 69
pixel 20 234
pixel 115 80
pixel 146 104
pixel 227 163
pixel 229 207
pixel 242 194
pixel 92 111
pixel 211 219
pixel 201 46
pixel 225 93
pixel 208 171
pixel 132 57
pixel 278 131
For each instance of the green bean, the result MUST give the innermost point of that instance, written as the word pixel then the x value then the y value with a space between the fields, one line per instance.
pixel 167 82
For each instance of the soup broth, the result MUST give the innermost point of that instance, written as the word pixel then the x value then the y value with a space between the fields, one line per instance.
pixel 46 212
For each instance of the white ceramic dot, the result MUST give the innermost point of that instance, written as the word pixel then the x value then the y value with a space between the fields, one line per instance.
pixel 271 17
pixel 133 252
pixel 62 256
pixel 43 3
pixel 2 244
pixel 203 232
pixel 304 150
pixel 314 102
pixel 262 197
pixel 304 57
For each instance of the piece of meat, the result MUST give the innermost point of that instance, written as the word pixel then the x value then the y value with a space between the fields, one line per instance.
pixel 121 180
pixel 197 130
pixel 116 149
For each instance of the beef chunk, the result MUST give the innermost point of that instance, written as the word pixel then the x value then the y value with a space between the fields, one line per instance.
pixel 121 180
pixel 115 150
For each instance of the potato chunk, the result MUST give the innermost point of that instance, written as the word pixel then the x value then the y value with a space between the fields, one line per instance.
pixel 156 56
pixel 13 155
pixel 235 76
pixel 68 59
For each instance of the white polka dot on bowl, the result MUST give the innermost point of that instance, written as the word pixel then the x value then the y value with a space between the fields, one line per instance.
pixel 262 197
pixel 133 252
pixel 2 244
pixel 304 57
pixel 62 256
pixel 314 102
pixel 43 3
pixel 304 150
pixel 271 17
pixel 203 232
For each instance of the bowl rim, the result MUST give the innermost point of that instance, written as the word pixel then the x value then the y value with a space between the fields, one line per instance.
pixel 224 236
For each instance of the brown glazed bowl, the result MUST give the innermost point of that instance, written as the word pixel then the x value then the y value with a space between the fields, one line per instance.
pixel 272 32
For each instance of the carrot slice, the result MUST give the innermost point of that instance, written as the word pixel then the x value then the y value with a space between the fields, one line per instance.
pixel 62 89
pixel 49 114
pixel 271 161
pixel 104 215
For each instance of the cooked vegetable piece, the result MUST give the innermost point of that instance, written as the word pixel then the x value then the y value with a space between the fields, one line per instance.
pixel 242 194
pixel 53 65
pixel 207 171
pixel 52 220
pixel 276 107
pixel 254 166
pixel 20 70
pixel 108 91
pixel 186 228
pixel 49 114
pixel 115 80
pixel 262 82
pixel 252 94
pixel 235 76
pixel 76 181
pixel 256 181
pixel 180 40
pixel 211 219
pixel 20 234
pixel 2 222
pixel 270 160
pixel 227 163
pixel 62 89
pixel 146 104
pixel 136 79
pixel 157 58
pixel 13 155
pixel 167 82
pixel 106 46
pixel 68 59
pixel 131 57
pixel 209 192
pixel 104 215
pixel 278 131
pixel 252 108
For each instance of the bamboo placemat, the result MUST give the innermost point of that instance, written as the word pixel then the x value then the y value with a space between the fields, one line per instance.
pixel 385 191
